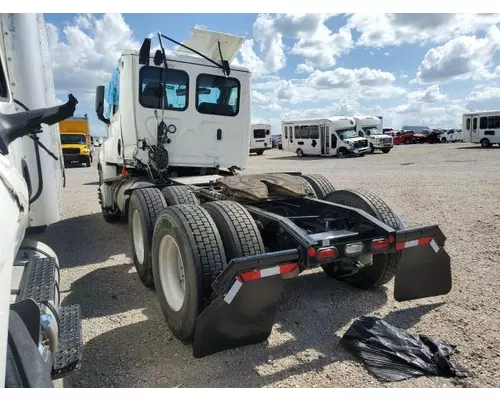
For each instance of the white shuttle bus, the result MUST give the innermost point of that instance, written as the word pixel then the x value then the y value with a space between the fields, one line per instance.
pixel 260 138
pixel 371 129
pixel 334 136
pixel 482 127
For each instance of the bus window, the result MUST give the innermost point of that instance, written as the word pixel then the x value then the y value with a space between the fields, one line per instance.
pixel 297 132
pixel 494 122
pixel 467 124
pixel 483 123
pixel 314 132
pixel 286 132
pixel 304 132
pixel 474 123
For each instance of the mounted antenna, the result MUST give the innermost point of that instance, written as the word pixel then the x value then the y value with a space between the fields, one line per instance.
pixel 144 52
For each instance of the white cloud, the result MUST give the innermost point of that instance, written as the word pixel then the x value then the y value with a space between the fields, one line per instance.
pixel 258 97
pixel 380 30
pixel 386 53
pixel 486 93
pixel 403 76
pixel 270 43
pixel 311 38
pixel 304 68
pixel 85 54
pixel 430 95
pixel 464 57
pixel 423 114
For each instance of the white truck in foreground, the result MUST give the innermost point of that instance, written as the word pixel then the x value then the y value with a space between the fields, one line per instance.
pixel 260 139
pixel 40 340
pixel 216 245
pixel 371 129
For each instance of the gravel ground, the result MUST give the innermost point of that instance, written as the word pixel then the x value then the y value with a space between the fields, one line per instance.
pixel 127 343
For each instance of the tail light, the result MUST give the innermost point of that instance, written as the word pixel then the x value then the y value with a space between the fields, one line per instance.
pixel 379 244
pixel 327 253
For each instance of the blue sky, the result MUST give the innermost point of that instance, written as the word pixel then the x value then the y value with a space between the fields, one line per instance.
pixel 410 68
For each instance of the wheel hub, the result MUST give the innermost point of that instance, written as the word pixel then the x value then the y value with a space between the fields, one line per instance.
pixel 172 275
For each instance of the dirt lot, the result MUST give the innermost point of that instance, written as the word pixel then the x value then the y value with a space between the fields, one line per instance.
pixel 128 344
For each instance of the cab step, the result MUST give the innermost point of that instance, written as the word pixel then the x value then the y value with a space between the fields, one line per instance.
pixel 69 354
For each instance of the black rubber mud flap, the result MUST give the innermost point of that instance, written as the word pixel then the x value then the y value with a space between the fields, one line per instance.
pixel 242 316
pixel 423 271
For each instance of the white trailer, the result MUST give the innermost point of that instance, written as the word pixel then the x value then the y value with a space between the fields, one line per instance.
pixel 260 138
pixel 39 339
pixel 371 129
pixel 481 127
pixel 334 136
pixel 216 245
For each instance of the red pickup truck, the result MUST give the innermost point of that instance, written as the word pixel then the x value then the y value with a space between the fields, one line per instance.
pixel 401 137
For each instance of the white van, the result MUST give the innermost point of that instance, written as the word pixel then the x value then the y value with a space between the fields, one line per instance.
pixel 260 138
pixel 334 136
pixel 482 127
pixel 371 129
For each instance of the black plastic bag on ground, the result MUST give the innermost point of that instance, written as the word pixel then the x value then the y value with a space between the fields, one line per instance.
pixel 393 354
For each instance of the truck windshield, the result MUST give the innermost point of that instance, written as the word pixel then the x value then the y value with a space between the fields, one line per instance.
pixel 371 131
pixel 73 139
pixel 346 133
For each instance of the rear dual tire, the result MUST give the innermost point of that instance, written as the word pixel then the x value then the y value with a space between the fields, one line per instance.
pixel 204 239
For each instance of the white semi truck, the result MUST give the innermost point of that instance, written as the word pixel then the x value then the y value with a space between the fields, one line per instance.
pixel 39 339
pixel 371 129
pixel 215 244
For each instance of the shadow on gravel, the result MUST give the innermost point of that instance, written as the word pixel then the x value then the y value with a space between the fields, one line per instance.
pixel 87 239
pixel 145 354
pixel 479 148
pixel 108 291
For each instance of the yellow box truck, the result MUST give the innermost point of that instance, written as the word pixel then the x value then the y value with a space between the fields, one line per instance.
pixel 75 140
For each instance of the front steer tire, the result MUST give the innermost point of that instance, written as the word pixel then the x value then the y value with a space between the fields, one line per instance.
pixel 144 206
pixel 384 266
pixel 203 258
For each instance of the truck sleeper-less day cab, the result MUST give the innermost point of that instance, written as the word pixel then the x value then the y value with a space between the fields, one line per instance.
pixel 75 140
pixel 260 138
pixel 40 339
pixel 216 245
pixel 370 128
pixel 481 127
pixel 335 136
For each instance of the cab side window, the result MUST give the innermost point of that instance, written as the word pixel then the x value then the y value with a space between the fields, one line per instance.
pixel 4 91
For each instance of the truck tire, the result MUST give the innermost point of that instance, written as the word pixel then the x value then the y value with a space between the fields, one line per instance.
pixel 144 206
pixel 321 186
pixel 385 151
pixel 259 152
pixel 187 255
pixel 175 195
pixel 485 143
pixel 300 153
pixel 384 266
pixel 239 233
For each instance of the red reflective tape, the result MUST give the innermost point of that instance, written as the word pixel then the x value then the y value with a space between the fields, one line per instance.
pixel 400 245
pixel 424 241
pixel 250 275
pixel 287 268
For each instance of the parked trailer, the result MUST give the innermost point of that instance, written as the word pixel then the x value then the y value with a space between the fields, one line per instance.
pixel 335 136
pixel 481 127
pixel 371 129
pixel 216 245
pixel 260 138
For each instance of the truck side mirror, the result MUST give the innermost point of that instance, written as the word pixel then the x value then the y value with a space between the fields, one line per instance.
pixel 99 104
